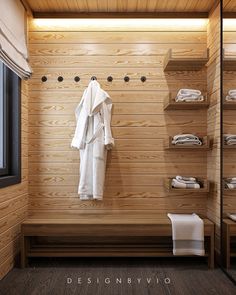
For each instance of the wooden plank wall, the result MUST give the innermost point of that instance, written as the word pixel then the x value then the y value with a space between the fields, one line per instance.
pixel 14 200
pixel 213 120
pixel 229 122
pixel 138 164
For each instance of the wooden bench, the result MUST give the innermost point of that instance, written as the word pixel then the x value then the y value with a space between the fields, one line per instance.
pixel 100 236
pixel 229 232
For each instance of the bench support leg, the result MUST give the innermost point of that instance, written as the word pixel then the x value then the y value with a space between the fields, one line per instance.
pixel 24 250
pixel 226 245
pixel 211 257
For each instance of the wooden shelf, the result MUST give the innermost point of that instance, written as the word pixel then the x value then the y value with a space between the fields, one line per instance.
pixel 204 189
pixel 229 61
pixel 228 189
pixel 171 104
pixel 179 63
pixel 205 146
pixel 229 147
pixel 229 105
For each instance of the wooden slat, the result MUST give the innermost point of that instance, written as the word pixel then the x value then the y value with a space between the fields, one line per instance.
pixel 117 37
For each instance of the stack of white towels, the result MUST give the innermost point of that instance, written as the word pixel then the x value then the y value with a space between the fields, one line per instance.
pixel 185 182
pixel 186 139
pixel 231 96
pixel 189 95
pixel 230 183
pixel 230 139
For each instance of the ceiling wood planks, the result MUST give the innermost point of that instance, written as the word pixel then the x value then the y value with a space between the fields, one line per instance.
pixel 121 8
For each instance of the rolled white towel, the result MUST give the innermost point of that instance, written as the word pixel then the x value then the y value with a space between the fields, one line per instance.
pixel 177 184
pixel 183 178
pixel 232 216
pixel 231 180
pixel 189 95
pixel 186 135
pixel 232 93
pixel 229 136
pixel 230 185
pixel 187 142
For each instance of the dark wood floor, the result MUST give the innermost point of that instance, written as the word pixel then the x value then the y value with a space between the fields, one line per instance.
pixel 49 276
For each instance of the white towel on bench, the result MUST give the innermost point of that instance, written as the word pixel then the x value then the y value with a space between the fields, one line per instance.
pixel 187 234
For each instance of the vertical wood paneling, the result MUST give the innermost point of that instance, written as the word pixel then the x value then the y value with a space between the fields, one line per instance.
pixel 14 199
pixel 213 119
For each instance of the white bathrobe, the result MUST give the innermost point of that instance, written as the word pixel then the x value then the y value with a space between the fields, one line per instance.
pixel 93 138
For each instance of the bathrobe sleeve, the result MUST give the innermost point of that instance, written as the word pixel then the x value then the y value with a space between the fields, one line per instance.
pixel 78 140
pixel 108 139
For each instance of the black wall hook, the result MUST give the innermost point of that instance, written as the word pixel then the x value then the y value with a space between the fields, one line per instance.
pixel 126 78
pixel 143 78
pixel 109 79
pixel 60 79
pixel 44 79
pixel 93 78
pixel 77 78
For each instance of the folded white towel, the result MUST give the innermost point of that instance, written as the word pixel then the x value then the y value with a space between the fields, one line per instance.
pixel 232 216
pixel 231 180
pixel 189 95
pixel 180 184
pixel 230 185
pixel 229 136
pixel 187 234
pixel 231 95
pixel 186 179
pixel 187 141
pixel 185 136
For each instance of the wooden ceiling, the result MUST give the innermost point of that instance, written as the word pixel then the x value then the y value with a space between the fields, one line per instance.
pixel 119 6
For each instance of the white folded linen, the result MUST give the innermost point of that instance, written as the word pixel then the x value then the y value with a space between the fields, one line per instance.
pixel 186 179
pixel 232 216
pixel 231 95
pixel 180 184
pixel 230 185
pixel 230 139
pixel 187 234
pixel 187 142
pixel 189 95
pixel 185 136
pixel 186 139
pixel 231 180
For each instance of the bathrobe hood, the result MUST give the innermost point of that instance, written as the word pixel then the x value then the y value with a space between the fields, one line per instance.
pixel 94 99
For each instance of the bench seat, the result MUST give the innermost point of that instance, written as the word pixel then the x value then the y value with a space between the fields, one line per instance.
pixel 103 235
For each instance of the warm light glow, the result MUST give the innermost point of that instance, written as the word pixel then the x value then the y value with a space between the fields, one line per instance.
pixel 229 24
pixel 113 23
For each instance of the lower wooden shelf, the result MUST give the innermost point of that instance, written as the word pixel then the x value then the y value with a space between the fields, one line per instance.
pixel 229 105
pixel 206 144
pixel 204 189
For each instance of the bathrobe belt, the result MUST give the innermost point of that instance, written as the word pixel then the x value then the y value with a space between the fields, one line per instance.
pixel 96 133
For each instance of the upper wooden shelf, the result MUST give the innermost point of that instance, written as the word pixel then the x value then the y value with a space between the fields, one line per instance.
pixel 171 104
pixel 229 105
pixel 229 61
pixel 230 147
pixel 205 146
pixel 204 189
pixel 174 62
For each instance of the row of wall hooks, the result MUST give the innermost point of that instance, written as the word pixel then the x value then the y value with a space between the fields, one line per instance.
pixel 77 78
